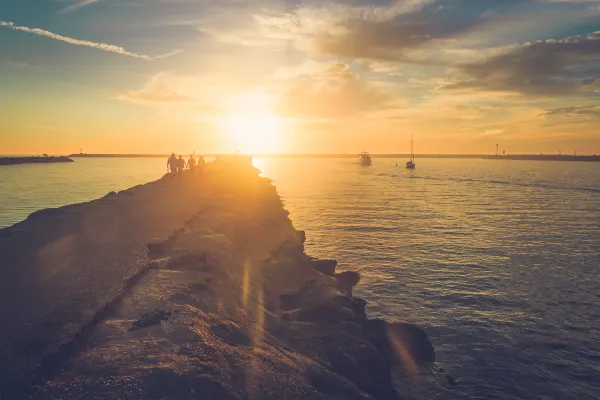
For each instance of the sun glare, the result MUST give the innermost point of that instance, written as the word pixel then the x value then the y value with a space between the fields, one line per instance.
pixel 254 133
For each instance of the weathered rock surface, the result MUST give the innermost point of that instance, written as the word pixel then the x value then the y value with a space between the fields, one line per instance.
pixel 61 267
pixel 151 319
pixel 218 300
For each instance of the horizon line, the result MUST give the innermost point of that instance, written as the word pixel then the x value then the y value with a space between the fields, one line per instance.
pixel 296 154
pixel 506 157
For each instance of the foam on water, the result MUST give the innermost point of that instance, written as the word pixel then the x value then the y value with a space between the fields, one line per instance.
pixel 497 261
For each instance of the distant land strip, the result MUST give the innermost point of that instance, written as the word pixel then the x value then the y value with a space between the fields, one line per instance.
pixel 542 157
pixel 33 160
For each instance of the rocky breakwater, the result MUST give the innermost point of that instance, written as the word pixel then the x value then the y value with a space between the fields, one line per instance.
pixel 229 306
pixel 34 160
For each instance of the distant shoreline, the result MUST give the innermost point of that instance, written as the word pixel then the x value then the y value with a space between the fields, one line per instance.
pixel 34 160
pixel 515 157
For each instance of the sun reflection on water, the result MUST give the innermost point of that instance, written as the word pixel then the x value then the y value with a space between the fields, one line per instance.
pixel 259 163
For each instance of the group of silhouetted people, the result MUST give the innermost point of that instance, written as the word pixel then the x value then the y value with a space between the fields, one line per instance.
pixel 178 165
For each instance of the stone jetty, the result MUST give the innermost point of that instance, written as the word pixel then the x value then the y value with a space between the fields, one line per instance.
pixel 196 286
pixel 33 160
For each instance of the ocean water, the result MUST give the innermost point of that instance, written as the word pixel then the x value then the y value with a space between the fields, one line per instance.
pixel 497 260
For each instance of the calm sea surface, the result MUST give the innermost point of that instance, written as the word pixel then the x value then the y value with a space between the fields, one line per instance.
pixel 497 260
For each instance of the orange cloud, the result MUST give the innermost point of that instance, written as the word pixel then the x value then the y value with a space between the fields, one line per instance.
pixel 331 90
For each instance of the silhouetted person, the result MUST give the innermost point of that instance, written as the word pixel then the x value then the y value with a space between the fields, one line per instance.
pixel 180 164
pixel 172 163
pixel 191 164
pixel 201 163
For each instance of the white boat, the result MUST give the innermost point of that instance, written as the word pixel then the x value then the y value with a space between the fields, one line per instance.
pixel 365 158
pixel 411 164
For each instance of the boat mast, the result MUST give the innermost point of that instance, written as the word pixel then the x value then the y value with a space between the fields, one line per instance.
pixel 412 153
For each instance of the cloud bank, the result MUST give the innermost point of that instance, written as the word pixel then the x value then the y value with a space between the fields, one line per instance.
pixel 549 67
pixel 384 32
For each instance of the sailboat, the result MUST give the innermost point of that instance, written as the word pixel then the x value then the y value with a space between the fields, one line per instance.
pixel 411 164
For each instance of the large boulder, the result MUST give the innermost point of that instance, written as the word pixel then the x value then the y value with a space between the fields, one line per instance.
pixel 326 267
pixel 346 280
pixel 401 343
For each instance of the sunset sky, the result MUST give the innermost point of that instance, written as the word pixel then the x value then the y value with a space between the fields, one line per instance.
pixel 272 76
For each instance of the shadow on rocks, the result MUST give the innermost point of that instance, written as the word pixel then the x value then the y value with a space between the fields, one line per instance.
pixel 230 333
pixel 170 384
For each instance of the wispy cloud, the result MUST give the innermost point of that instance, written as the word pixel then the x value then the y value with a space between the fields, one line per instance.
pixel 96 45
pixel 16 64
pixel 78 5
pixel 167 55
pixel 163 89
pixel 588 111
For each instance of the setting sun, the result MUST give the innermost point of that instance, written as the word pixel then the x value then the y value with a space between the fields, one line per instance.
pixel 254 133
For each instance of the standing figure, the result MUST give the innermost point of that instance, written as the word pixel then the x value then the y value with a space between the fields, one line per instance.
pixel 201 162
pixel 172 164
pixel 191 164
pixel 180 164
